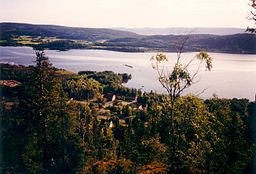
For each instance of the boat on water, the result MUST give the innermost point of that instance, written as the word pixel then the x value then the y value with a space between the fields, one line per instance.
pixel 130 66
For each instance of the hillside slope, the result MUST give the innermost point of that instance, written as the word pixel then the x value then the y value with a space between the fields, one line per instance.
pixel 238 43
pixel 90 34
pixel 65 38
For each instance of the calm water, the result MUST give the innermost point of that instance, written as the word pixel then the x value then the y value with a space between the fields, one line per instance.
pixel 233 75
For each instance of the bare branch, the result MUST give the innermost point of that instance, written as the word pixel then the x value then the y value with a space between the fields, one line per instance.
pixel 252 16
pixel 198 94
pixel 176 79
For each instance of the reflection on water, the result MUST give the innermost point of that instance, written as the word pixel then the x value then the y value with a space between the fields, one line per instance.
pixel 233 75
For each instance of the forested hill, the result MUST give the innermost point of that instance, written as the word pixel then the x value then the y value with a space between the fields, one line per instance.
pixel 91 34
pixel 65 38
pixel 238 43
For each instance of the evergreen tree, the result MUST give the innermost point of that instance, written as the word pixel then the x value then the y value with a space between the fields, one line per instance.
pixel 52 144
pixel 232 150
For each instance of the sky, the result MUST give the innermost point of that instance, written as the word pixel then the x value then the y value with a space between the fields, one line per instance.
pixel 128 13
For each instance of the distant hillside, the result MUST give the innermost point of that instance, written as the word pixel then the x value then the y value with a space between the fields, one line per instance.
pixel 90 34
pixel 65 38
pixel 183 30
pixel 239 43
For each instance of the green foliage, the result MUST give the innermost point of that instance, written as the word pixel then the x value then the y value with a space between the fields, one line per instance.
pixel 204 57
pixel 193 134
pixel 15 72
pixel 61 45
pixel 107 77
pixel 43 130
pixel 90 34
pixel 12 141
pixel 152 150
pixel 89 38
pixel 51 131
pixel 185 138
pixel 48 140
pixel 175 80
pixel 178 75
pixel 233 149
pixel 82 88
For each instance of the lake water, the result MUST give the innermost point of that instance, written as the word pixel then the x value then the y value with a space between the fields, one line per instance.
pixel 233 75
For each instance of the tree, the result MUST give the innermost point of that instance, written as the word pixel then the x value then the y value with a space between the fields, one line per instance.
pixel 252 16
pixel 93 88
pixel 52 144
pixel 233 149
pixel 84 88
pixel 13 138
pixel 38 105
pixel 69 144
pixel 175 80
pixel 194 135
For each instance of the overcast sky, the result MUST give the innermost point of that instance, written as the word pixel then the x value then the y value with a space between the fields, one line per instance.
pixel 128 13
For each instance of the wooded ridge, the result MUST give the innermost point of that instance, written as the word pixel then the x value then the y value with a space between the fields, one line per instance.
pixel 65 38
